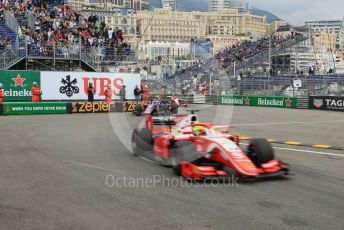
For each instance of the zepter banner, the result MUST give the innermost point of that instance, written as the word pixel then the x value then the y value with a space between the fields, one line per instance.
pixel 73 85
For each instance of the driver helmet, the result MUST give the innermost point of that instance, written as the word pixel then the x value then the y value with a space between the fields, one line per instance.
pixel 198 130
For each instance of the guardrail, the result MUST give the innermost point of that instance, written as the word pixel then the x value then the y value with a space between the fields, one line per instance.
pixel 12 22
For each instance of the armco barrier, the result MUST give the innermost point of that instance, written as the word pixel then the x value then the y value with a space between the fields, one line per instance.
pixel 264 101
pixel 28 108
pixel 330 103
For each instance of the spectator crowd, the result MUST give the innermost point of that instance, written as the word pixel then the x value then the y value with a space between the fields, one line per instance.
pixel 58 25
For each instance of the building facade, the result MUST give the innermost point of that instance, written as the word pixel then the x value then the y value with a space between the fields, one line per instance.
pixel 327 26
pixel 216 5
pixel 168 25
pixel 324 42
pixel 131 4
pixel 169 4
pixel 164 52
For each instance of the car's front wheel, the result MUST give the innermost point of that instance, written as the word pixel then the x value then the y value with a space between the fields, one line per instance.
pixel 260 151
pixel 141 141
pixel 182 151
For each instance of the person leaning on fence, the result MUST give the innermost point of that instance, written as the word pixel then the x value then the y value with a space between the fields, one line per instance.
pixel 90 92
pixel 1 93
pixel 36 93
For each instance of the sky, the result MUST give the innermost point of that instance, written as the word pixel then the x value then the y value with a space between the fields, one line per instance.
pixel 297 12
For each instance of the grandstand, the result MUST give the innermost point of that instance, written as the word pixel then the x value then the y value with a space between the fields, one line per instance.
pixel 49 35
pixel 221 69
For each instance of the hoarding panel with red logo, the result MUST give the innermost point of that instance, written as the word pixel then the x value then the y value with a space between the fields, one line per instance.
pixel 73 85
pixel 17 84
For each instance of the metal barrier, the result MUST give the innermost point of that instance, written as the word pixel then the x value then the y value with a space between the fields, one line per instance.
pixel 12 22
pixel 31 21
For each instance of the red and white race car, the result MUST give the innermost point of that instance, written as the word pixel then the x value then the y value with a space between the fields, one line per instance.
pixel 201 151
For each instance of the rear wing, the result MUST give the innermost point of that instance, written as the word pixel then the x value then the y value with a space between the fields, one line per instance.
pixel 152 121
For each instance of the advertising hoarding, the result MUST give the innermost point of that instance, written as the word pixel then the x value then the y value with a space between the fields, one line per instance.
pixel 326 103
pixel 73 85
pixel 279 102
pixel 17 84
pixel 28 108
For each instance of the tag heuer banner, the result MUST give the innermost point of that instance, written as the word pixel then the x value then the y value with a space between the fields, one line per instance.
pixel 326 103
pixel 18 84
pixel 280 102
pixel 26 108
pixel 73 85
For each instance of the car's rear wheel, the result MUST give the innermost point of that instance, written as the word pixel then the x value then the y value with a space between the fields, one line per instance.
pixel 260 151
pixel 182 151
pixel 142 140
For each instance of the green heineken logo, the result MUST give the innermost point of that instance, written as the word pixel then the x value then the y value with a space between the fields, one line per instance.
pixel 17 84
pixel 281 102
pixel 232 100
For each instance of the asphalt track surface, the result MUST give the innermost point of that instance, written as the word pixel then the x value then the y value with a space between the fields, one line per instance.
pixel 54 169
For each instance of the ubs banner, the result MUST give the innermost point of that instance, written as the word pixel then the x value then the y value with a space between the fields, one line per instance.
pixel 73 85
pixel 326 103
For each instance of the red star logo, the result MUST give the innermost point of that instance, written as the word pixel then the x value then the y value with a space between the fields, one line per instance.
pixel 18 81
pixel 247 101
pixel 288 103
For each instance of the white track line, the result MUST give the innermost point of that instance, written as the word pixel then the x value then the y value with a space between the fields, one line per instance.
pixel 288 123
pixel 146 159
pixel 92 166
pixel 306 151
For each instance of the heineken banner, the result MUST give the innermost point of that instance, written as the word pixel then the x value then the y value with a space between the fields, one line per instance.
pixel 326 103
pixel 17 84
pixel 26 108
pixel 280 102
pixel 73 85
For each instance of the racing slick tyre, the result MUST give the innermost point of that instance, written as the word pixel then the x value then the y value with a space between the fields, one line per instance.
pixel 138 110
pixel 174 108
pixel 141 140
pixel 260 151
pixel 182 151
